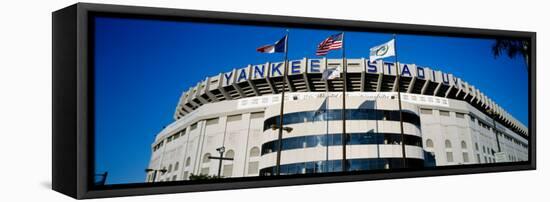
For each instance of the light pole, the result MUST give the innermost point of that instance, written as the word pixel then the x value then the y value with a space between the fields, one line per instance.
pixel 147 170
pixel 221 158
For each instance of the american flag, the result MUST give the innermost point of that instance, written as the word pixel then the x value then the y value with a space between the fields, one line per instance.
pixel 331 43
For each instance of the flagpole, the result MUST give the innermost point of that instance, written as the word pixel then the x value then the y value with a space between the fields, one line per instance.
pixel 398 78
pixel 326 116
pixel 344 134
pixel 285 74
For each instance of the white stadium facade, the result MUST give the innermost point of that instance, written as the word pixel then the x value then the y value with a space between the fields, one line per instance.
pixel 446 121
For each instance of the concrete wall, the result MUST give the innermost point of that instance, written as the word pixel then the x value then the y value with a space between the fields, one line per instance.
pixel 238 126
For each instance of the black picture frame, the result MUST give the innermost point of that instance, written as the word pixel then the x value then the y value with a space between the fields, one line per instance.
pixel 73 121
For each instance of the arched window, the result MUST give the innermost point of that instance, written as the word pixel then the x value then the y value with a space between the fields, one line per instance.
pixel 253 166
pixel 463 145
pixel 449 153
pixel 230 154
pixel 206 158
pixel 188 161
pixel 429 143
pixel 254 152
pixel 448 144
pixel 228 167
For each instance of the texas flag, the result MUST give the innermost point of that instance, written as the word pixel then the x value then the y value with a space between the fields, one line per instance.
pixel 277 47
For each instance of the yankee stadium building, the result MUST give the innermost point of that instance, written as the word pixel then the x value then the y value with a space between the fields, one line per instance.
pixel 446 121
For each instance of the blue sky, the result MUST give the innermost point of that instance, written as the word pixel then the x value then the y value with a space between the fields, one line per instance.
pixel 143 66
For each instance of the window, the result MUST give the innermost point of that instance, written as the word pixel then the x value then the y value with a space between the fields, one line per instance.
pixel 177 166
pixel 336 114
pixel 185 175
pixel 230 154
pixel 170 168
pixel 463 145
pixel 253 167
pixel 459 115
pixel 448 144
pixel 194 126
pixel 429 143
pixel 426 111
pixel 228 170
pixel 254 152
pixel 206 158
pixel 163 168
pixel 257 115
pixel 450 157
pixel 158 146
pixel 465 157
pixel 213 121
pixel 443 113
pixel 205 171
pixel 484 150
pixel 478 158
pixel 232 118
pixel 449 153
pixel 174 178
pixel 335 139
pixel 188 162
pixel 183 132
pixel 477 147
